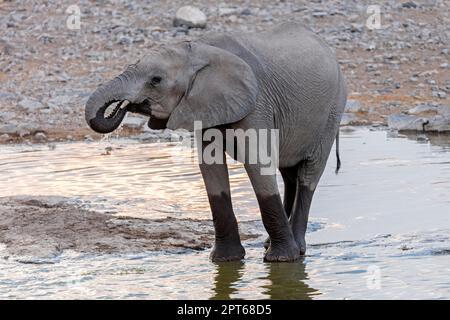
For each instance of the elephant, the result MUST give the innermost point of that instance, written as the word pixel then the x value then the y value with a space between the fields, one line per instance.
pixel 285 79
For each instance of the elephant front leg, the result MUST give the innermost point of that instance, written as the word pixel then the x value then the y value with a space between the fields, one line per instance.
pixel 282 247
pixel 227 245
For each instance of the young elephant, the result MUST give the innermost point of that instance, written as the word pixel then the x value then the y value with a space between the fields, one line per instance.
pixel 286 79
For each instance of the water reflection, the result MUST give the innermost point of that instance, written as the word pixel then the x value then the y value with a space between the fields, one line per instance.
pixel 288 282
pixel 227 275
pixel 435 139
pixel 284 281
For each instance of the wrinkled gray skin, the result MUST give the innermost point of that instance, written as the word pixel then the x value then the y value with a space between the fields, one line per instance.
pixel 286 79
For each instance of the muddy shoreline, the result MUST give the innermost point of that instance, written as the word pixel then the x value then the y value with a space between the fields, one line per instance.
pixel 40 228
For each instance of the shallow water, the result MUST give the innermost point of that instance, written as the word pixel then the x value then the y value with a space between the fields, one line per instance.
pixel 379 229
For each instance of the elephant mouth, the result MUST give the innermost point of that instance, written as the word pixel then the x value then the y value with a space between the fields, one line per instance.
pixel 156 121
pixel 113 107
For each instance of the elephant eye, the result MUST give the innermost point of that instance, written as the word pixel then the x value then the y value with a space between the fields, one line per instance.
pixel 155 80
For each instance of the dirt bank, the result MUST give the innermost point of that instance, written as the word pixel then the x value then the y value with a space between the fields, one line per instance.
pixel 43 227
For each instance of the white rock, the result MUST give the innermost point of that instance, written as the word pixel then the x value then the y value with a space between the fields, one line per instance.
pixel 133 122
pixel 190 16
pixel 406 122
pixel 439 124
pixel 353 106
pixel 4 138
pixel 348 118
pixel 40 136
pixel 30 105
pixel 60 101
pixel 228 11
pixel 423 108
pixel 444 110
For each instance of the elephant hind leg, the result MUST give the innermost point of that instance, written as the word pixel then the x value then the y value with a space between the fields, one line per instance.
pixel 290 190
pixel 309 173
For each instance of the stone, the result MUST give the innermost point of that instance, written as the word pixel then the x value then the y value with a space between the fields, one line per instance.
pixel 353 106
pixel 7 96
pixel 5 138
pixel 439 94
pixel 228 11
pixel 40 137
pixel 409 5
pixel 319 14
pixel 246 12
pixel 30 105
pixel 444 110
pixel 405 122
pixel 59 101
pixel 9 128
pixel 423 109
pixel 348 118
pixel 438 123
pixel 190 16
pixel 133 122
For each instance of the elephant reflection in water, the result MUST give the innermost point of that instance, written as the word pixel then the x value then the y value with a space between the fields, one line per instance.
pixel 286 281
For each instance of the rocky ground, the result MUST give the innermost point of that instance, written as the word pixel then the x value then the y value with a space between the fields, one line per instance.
pixel 47 70
pixel 43 227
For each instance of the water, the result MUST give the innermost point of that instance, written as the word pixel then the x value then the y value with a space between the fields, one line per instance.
pixel 380 229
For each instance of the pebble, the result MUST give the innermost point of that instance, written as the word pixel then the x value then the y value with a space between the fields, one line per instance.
pixel 228 11
pixel 4 138
pixel 190 16
pixel 40 137
pixel 409 5
pixel 353 106
pixel 30 105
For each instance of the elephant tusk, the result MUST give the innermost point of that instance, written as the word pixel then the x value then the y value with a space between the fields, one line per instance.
pixel 124 104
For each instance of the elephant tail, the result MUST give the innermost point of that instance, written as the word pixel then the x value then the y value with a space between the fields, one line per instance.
pixel 338 164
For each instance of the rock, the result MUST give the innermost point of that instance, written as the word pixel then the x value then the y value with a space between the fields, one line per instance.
pixel 40 137
pixel 444 65
pixel 9 128
pixel 133 122
pixel 435 123
pixel 423 109
pixel 60 101
pixel 5 138
pixel 444 110
pixel 30 105
pixel 409 5
pixel 404 122
pixel 246 12
pixel 319 14
pixel 438 123
pixel 228 11
pixel 7 96
pixel 348 118
pixel 439 94
pixel 353 106
pixel 190 16
pixel 7 115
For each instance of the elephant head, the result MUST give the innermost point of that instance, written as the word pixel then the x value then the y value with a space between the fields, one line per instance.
pixel 175 86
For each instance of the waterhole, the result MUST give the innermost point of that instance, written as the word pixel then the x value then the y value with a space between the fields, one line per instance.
pixel 379 229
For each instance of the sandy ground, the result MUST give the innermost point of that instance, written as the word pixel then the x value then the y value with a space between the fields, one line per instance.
pixel 43 227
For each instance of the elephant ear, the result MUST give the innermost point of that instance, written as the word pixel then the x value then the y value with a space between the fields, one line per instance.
pixel 222 90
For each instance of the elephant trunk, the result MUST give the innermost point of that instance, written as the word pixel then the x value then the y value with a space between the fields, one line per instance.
pixel 97 104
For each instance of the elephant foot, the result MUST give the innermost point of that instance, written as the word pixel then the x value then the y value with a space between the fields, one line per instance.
pixel 301 243
pixel 282 253
pixel 227 252
pixel 267 243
